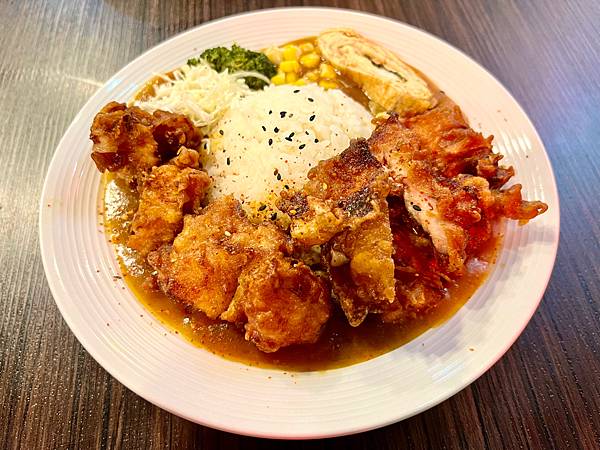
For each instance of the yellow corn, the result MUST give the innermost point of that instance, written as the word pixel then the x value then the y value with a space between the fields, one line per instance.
pixel 274 54
pixel 310 60
pixel 300 82
pixel 279 78
pixel 291 77
pixel 312 76
pixel 307 47
pixel 289 66
pixel 327 72
pixel 327 84
pixel 291 53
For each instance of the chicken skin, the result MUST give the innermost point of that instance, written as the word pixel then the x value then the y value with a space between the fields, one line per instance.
pixel 202 267
pixel 282 301
pixel 166 195
pixel 449 179
pixel 129 141
pixel 344 206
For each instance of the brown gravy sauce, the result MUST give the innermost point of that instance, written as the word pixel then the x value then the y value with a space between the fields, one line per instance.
pixel 340 344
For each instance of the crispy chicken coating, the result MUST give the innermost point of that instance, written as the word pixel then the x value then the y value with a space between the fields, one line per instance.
pixel 130 141
pixel 166 195
pixel 283 303
pixel 202 267
pixel 344 205
pixel 449 178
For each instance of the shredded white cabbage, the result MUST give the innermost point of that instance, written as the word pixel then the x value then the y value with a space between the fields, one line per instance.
pixel 199 92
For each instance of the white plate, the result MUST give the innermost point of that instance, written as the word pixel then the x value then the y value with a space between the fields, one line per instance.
pixel 192 383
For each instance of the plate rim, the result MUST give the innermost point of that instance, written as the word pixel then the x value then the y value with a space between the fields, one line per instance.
pixel 155 399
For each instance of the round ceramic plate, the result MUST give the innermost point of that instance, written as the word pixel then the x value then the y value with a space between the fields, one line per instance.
pixel 193 383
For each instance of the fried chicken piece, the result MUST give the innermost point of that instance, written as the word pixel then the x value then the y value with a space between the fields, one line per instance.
pixel 449 178
pixel 283 303
pixel 123 140
pixel 341 192
pixel 167 194
pixel 361 268
pixel 172 131
pixel 202 267
pixel 130 141
pixel 344 204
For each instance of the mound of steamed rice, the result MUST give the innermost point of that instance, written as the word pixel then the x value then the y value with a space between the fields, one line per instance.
pixel 268 140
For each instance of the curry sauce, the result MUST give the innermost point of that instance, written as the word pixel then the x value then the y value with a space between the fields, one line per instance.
pixel 339 345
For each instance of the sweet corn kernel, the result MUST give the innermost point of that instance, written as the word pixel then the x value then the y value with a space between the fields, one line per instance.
pixel 275 55
pixel 328 84
pixel 291 77
pixel 310 60
pixel 289 66
pixel 300 82
pixel 327 72
pixel 279 78
pixel 291 53
pixel 307 47
pixel 312 76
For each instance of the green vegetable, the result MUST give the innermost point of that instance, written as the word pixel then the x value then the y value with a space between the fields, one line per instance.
pixel 238 59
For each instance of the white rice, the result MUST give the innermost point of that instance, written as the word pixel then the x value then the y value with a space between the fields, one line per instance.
pixel 268 140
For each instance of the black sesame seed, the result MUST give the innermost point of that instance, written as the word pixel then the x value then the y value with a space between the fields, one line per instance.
pixel 289 139
pixel 270 141
pixel 276 130
pixel 296 91
pixel 311 118
pixel 282 114
pixel 316 141
pixel 286 186
pixel 264 128
pixel 278 177
pixel 291 134
pixel 221 132
pixel 416 207
pixel 274 216
pixel 228 161
pixel 262 207
pixel 311 99
pixel 302 146
pixel 270 111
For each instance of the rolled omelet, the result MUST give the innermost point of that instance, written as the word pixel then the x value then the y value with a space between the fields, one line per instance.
pixel 390 84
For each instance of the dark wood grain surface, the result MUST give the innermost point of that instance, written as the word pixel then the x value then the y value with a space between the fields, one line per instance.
pixel 545 393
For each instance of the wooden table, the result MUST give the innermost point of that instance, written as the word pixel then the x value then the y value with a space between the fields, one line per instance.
pixel 545 393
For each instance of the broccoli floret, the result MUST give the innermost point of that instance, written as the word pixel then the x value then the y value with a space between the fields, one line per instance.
pixel 238 59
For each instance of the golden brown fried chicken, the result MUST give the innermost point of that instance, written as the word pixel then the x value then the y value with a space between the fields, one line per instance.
pixel 166 195
pixel 130 141
pixel 449 178
pixel 344 204
pixel 123 140
pixel 202 267
pixel 282 301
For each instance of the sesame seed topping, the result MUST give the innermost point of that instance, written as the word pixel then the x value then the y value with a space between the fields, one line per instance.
pixel 282 114
pixel 311 118
pixel 270 141
pixel 301 146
